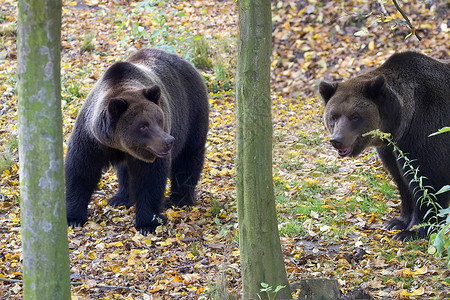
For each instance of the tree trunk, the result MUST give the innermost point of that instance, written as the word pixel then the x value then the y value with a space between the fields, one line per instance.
pixel 259 242
pixel 43 213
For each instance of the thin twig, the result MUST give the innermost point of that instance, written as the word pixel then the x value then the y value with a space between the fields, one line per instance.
pixel 383 9
pixel 10 280
pixel 103 286
pixel 191 265
pixel 408 22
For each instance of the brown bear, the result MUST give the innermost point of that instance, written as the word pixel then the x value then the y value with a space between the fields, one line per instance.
pixel 148 117
pixel 409 97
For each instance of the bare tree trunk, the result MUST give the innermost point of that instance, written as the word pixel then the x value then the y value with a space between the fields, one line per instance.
pixel 259 242
pixel 43 213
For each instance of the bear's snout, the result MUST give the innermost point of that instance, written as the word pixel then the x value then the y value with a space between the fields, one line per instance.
pixel 336 143
pixel 169 142
pixel 343 149
pixel 164 147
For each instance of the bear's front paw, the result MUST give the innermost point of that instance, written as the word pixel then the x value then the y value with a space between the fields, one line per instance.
pixel 149 226
pixel 409 235
pixel 73 223
pixel 396 224
pixel 180 201
pixel 119 200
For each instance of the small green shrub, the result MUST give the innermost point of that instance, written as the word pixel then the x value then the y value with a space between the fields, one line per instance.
pixel 6 161
pixel 216 207
pixel 9 154
pixel 88 43
pixel 8 28
pixel 223 79
pixel 201 52
pixel 72 91
pixel 271 294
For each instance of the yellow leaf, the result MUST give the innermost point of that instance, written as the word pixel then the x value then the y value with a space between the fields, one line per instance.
pixel 417 292
pixel 177 278
pixel 118 244
pixel 167 242
pixel 136 251
pixel 157 288
pixel 131 261
pixel 114 268
pixel 420 271
pixel 174 214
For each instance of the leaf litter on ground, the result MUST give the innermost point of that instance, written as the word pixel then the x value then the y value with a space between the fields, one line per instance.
pixel 331 210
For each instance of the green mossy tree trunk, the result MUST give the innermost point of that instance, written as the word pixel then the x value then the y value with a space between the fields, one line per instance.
pixel 43 214
pixel 259 241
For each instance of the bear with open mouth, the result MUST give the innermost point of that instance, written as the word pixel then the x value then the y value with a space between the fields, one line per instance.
pixel 409 97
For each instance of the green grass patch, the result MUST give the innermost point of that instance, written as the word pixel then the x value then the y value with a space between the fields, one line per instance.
pixel 201 53
pixel 313 138
pixel 9 154
pixel 314 199
pixel 88 43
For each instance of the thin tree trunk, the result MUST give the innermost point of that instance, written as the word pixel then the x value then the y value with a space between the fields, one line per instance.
pixel 259 242
pixel 43 214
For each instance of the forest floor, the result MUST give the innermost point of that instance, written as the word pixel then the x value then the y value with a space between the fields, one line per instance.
pixel 331 210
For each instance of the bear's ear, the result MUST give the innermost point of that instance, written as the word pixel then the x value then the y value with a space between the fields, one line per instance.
pixel 327 90
pixel 153 94
pixel 374 87
pixel 117 107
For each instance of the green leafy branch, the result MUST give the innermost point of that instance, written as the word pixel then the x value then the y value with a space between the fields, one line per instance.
pixel 442 130
pixel 439 239
pixel 268 290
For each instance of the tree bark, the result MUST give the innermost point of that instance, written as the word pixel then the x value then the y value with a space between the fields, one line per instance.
pixel 43 213
pixel 259 242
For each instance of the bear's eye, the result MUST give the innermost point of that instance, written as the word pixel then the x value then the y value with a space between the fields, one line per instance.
pixel 143 126
pixel 333 118
pixel 354 118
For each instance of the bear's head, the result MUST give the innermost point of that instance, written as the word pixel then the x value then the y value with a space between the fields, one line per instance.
pixel 138 124
pixel 352 108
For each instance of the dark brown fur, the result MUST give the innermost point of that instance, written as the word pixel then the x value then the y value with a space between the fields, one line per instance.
pixel 148 117
pixel 409 97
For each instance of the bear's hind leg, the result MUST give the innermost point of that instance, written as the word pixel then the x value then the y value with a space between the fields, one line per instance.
pixel 186 170
pixel 121 198
pixel 83 169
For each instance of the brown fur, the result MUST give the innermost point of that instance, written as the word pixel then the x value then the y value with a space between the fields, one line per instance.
pixel 148 117
pixel 409 97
